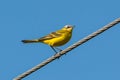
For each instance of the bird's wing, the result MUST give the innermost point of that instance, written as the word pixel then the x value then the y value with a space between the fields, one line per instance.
pixel 50 36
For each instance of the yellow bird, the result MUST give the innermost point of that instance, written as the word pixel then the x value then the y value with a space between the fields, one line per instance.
pixel 55 39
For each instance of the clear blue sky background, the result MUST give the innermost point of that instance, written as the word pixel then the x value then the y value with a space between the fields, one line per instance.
pixel 97 59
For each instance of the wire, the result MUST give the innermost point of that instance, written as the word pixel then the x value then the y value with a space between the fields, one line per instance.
pixel 104 28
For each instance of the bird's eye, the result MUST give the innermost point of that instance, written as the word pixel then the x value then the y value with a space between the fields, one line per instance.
pixel 68 26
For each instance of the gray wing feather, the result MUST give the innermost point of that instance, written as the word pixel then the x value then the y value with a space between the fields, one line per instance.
pixel 50 36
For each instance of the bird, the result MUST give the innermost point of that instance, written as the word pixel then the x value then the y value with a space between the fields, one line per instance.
pixel 55 39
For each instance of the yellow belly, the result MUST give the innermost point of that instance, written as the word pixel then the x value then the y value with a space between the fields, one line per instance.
pixel 59 41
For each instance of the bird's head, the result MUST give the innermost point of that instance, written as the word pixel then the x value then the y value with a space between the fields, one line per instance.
pixel 68 28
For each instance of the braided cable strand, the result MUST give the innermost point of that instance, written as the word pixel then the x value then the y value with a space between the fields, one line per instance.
pixel 67 49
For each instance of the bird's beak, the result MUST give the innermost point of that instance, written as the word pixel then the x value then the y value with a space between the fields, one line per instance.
pixel 73 26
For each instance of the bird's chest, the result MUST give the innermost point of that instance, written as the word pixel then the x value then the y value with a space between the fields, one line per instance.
pixel 61 40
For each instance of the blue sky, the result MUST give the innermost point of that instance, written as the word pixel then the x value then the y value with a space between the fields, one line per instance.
pixel 97 59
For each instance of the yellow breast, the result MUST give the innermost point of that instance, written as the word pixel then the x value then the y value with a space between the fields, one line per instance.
pixel 59 41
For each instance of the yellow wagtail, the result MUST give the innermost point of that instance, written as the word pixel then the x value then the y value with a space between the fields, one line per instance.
pixel 55 39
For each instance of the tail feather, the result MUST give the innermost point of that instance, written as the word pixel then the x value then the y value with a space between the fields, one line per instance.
pixel 29 41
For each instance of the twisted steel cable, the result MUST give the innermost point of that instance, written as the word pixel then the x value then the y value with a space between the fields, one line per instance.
pixel 104 28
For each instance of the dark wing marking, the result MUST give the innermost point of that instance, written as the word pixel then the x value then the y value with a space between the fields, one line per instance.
pixel 50 36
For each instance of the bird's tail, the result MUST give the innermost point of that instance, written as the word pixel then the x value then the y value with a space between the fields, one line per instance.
pixel 29 41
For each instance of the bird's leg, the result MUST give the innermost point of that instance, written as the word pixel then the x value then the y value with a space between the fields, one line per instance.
pixel 58 49
pixel 54 49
